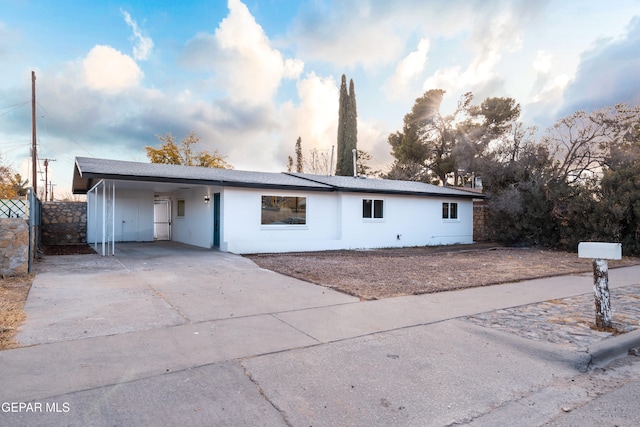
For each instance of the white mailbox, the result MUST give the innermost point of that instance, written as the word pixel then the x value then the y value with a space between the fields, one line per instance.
pixel 600 250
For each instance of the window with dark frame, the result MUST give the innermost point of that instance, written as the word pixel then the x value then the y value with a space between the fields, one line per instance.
pixel 373 208
pixel 449 210
pixel 284 210
pixel 180 210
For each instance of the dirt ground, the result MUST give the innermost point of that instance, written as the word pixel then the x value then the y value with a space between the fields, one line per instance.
pixel 13 293
pixel 384 273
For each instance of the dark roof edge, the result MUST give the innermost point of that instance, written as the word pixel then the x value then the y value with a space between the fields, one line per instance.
pixel 469 195
pixel 221 183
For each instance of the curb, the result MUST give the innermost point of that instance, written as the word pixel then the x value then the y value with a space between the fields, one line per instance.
pixel 612 348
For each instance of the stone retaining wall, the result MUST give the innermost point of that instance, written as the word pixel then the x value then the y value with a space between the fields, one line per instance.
pixel 14 247
pixel 480 221
pixel 64 223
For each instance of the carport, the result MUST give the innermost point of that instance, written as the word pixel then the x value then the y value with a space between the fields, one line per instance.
pixel 135 206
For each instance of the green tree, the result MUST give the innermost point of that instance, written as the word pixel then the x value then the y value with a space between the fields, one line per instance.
pixel 362 166
pixel 487 126
pixel 299 157
pixel 434 147
pixel 11 183
pixel 170 153
pixel 347 128
pixel 19 185
pixel 425 143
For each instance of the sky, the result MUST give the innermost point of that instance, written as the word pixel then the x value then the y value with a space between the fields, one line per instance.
pixel 251 76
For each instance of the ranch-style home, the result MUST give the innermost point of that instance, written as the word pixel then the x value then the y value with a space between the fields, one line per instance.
pixel 257 212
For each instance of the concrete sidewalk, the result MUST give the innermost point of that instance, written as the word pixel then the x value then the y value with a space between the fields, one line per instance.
pixel 159 336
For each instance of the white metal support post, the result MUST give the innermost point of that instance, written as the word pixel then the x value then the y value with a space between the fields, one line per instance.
pixel 113 218
pixel 104 217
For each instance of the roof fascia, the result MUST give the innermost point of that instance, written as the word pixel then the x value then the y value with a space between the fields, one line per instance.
pixel 220 183
pixel 399 192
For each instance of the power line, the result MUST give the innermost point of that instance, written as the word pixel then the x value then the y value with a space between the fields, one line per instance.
pixel 15 105
pixel 13 108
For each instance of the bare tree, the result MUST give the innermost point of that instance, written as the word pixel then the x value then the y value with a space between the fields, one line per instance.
pixel 580 143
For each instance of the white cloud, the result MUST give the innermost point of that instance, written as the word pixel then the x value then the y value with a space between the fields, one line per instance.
pixel 542 63
pixel 348 33
pixel 444 78
pixel 144 45
pixel 245 65
pixel 254 69
pixel 109 70
pixel 495 31
pixel 316 118
pixel 408 70
pixel 293 68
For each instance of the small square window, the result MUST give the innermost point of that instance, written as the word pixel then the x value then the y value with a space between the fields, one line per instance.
pixel 449 210
pixel 373 208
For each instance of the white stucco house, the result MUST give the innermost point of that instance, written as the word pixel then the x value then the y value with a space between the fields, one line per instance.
pixel 257 212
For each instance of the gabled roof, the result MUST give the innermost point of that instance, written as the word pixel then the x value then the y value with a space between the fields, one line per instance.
pixel 89 171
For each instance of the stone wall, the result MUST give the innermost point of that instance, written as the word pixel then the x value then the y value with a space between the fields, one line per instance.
pixel 14 247
pixel 480 222
pixel 64 223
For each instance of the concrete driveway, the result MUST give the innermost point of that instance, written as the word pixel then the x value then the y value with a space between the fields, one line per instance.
pixel 155 285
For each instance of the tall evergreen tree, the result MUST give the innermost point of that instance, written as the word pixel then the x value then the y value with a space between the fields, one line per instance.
pixel 299 158
pixel 347 128
pixel 352 125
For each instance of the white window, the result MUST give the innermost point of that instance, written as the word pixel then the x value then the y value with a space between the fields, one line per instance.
pixel 373 208
pixel 449 210
pixel 180 210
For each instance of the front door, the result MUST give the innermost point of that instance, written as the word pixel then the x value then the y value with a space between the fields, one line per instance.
pixel 162 220
pixel 216 220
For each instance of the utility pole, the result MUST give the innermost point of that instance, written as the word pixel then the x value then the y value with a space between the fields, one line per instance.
pixel 34 152
pixel 46 179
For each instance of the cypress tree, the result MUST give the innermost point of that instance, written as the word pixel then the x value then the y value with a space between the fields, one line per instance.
pixel 351 137
pixel 347 128
pixel 299 158
pixel 343 113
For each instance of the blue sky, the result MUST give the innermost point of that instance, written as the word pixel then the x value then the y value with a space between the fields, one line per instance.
pixel 251 76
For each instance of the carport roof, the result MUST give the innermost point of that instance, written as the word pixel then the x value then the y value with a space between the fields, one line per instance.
pixel 89 171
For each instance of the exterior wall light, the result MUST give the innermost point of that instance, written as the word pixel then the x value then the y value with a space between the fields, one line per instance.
pixel 206 199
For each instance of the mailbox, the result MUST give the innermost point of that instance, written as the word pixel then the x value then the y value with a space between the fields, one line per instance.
pixel 600 250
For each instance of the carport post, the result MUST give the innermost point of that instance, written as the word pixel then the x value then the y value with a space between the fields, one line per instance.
pixel 600 252
pixel 113 219
pixel 104 217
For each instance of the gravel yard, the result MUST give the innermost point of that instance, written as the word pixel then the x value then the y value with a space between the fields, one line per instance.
pixel 384 273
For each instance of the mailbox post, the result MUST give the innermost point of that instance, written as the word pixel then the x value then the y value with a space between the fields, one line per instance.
pixel 601 252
